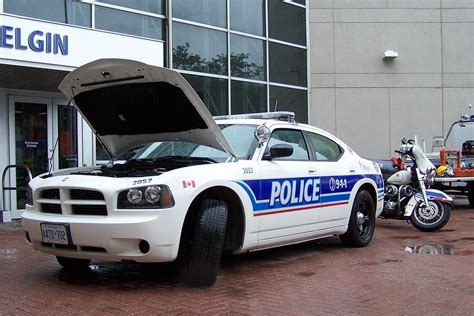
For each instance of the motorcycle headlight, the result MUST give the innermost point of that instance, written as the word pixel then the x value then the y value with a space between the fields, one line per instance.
pixel 430 176
pixel 149 197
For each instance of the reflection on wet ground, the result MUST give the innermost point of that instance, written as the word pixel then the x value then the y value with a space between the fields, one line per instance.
pixel 8 253
pixel 438 249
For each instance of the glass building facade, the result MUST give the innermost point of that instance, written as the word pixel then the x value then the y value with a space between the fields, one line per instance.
pixel 239 55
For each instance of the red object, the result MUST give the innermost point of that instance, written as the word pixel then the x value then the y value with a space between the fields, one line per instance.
pixel 451 158
pixel 188 184
pixel 464 172
pixel 398 163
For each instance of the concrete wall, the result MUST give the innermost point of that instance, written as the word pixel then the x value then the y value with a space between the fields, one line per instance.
pixel 371 103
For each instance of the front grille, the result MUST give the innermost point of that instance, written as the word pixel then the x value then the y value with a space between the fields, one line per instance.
pixel 57 246
pixel 51 208
pixel 72 201
pixel 74 247
pixel 78 209
pixel 93 249
pixel 50 194
pixel 77 194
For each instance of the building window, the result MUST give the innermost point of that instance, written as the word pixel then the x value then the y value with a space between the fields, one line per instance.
pixel 247 57
pixel 212 12
pixel 152 6
pixel 67 129
pixel 286 22
pixel 248 97
pixel 212 91
pixel 129 23
pixel 199 49
pixel 248 16
pixel 287 99
pixel 302 2
pixel 63 11
pixel 265 60
pixel 287 64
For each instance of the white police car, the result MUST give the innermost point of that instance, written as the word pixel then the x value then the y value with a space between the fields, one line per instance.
pixel 194 187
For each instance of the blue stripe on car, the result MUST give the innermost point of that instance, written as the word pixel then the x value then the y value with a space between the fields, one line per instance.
pixel 303 193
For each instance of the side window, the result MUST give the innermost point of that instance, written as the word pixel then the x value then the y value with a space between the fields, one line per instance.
pixel 324 148
pixel 293 138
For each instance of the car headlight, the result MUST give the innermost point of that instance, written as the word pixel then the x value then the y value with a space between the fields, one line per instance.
pixel 153 196
pixel 134 196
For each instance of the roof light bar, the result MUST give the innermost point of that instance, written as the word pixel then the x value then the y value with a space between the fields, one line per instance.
pixel 281 116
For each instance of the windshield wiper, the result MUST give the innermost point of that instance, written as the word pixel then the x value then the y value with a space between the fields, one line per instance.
pixel 140 161
pixel 185 158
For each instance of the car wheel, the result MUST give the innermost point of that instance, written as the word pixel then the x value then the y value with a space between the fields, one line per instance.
pixel 361 222
pixel 206 249
pixel 73 263
pixel 470 196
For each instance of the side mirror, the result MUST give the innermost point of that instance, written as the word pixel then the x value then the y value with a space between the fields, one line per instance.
pixel 278 151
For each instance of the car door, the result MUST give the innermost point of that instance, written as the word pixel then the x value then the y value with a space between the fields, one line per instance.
pixel 289 191
pixel 337 179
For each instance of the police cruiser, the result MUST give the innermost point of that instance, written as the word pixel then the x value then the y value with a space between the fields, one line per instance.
pixel 193 186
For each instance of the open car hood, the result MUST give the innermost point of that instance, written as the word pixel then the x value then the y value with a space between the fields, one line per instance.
pixel 128 103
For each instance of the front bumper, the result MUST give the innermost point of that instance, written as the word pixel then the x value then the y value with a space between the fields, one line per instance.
pixel 111 238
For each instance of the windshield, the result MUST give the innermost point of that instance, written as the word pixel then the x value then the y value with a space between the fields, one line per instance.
pixel 461 138
pixel 241 138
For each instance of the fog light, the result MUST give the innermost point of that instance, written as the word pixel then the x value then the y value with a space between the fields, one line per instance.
pixel 134 196
pixel 144 246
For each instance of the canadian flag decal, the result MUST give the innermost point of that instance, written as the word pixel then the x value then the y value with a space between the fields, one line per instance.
pixel 189 184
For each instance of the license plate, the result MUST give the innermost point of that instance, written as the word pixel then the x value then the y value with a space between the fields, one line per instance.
pixel 55 233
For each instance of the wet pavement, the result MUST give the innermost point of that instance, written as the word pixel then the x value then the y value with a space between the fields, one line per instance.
pixel 402 271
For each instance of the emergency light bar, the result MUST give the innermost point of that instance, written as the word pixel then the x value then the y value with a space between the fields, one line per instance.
pixel 281 116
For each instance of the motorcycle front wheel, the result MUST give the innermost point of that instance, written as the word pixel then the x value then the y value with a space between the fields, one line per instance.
pixel 432 218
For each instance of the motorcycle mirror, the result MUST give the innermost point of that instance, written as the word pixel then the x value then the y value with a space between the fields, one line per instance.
pixel 404 140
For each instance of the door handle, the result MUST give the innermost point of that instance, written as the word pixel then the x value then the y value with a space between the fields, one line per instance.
pixel 352 170
pixel 311 171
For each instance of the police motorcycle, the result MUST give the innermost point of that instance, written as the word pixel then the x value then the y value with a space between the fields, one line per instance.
pixel 407 193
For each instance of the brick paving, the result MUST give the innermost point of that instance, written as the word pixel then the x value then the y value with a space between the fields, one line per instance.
pixel 320 277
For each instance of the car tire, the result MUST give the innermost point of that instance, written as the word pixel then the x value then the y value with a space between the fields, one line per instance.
pixel 361 222
pixel 470 196
pixel 73 263
pixel 203 263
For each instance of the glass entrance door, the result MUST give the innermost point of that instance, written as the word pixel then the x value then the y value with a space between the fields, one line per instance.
pixel 66 136
pixel 44 136
pixel 30 144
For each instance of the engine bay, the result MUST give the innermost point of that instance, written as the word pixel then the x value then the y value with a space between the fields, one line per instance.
pixel 143 167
